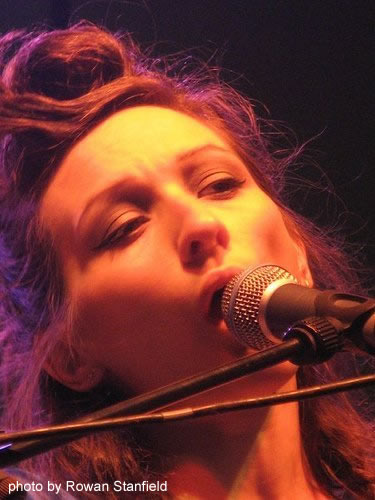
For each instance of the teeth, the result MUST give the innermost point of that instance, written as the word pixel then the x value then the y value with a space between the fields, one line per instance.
pixel 215 308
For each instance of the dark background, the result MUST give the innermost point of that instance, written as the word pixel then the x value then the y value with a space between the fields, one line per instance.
pixel 309 62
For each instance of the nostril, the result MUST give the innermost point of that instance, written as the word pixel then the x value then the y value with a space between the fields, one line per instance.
pixel 194 247
pixel 200 239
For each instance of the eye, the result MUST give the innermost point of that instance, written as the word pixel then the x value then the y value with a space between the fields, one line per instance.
pixel 218 187
pixel 126 232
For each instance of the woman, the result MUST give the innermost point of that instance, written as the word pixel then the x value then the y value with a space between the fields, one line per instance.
pixel 131 192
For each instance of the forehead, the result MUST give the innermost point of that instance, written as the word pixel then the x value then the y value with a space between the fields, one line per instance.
pixel 162 130
pixel 147 137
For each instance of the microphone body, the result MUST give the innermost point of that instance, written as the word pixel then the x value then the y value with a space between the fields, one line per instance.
pixel 261 304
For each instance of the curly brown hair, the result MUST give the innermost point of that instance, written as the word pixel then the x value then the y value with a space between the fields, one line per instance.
pixel 55 87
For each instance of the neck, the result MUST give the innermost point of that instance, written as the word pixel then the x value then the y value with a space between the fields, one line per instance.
pixel 253 454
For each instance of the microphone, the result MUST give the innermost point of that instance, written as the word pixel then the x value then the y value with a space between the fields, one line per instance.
pixel 259 306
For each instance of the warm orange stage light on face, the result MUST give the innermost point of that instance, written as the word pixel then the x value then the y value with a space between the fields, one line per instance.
pixel 150 208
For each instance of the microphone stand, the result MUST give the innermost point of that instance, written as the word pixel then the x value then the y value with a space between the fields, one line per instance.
pixel 12 453
pixel 306 344
pixel 79 430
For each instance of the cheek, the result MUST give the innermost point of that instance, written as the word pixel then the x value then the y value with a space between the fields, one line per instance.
pixel 113 300
pixel 261 237
pixel 121 307
pixel 116 328
pixel 280 247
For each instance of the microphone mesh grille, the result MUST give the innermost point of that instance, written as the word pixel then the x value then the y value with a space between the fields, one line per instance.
pixel 241 302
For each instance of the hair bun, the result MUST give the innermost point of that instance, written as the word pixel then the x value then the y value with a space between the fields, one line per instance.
pixel 63 67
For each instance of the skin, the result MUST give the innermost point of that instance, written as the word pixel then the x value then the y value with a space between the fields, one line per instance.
pixel 141 210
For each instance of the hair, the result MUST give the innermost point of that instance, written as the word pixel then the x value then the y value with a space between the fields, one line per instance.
pixel 55 87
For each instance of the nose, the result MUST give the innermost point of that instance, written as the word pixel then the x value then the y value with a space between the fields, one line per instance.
pixel 201 236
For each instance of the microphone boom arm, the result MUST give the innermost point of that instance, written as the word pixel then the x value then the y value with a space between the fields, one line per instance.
pixel 12 453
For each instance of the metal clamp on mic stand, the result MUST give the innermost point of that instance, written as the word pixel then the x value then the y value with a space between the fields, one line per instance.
pixel 320 338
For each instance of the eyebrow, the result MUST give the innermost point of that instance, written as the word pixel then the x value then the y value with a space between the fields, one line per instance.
pixel 130 180
pixel 186 155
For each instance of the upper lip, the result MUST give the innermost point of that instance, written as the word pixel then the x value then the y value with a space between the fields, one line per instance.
pixel 215 280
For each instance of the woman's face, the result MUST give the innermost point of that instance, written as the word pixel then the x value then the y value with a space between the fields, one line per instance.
pixel 150 213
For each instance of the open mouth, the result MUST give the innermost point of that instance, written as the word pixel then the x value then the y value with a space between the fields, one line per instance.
pixel 215 314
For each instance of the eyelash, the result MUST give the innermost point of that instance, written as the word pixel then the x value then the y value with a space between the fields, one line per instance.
pixel 230 185
pixel 221 189
pixel 126 231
